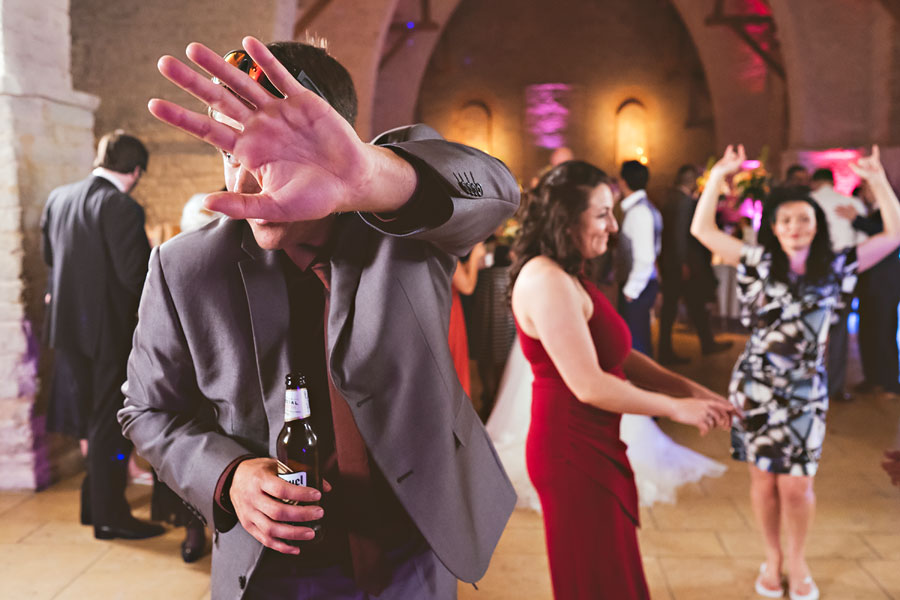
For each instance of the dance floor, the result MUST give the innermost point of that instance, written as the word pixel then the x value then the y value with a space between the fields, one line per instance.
pixel 703 547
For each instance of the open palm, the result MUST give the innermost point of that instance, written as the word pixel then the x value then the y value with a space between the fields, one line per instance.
pixel 307 159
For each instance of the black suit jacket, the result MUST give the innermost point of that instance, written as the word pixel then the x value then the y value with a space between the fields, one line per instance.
pixel 95 245
pixel 679 246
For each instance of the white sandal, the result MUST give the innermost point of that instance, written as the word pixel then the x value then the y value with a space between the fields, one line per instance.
pixel 766 592
pixel 813 591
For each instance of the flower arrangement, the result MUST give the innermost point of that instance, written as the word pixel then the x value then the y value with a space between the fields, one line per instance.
pixel 508 231
pixel 754 181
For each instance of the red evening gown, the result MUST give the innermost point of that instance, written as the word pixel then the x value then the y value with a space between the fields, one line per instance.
pixel 458 341
pixel 578 466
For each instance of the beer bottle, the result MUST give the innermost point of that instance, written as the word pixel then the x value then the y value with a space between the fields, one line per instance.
pixel 297 448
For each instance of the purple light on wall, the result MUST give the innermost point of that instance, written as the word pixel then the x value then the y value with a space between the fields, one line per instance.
pixel 547 113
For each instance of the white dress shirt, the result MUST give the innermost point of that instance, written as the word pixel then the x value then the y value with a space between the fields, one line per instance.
pixel 638 225
pixel 841 230
pixel 110 176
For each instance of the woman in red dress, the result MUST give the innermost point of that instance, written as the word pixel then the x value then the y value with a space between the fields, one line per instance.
pixel 464 279
pixel 586 375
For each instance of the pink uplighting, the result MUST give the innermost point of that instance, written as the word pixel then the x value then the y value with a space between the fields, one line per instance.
pixel 749 165
pixel 547 113
pixel 836 159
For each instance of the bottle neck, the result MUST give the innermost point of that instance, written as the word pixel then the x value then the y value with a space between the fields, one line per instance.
pixel 296 404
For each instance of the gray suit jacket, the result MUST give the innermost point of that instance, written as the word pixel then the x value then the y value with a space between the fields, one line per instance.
pixel 210 353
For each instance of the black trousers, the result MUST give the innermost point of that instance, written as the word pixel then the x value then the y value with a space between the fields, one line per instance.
pixel 674 288
pixel 838 339
pixel 637 316
pixel 103 490
pixel 878 330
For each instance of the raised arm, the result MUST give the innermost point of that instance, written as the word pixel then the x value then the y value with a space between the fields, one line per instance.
pixel 550 305
pixel 703 226
pixel 873 250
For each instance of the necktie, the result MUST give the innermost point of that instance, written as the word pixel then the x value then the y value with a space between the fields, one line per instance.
pixel 369 569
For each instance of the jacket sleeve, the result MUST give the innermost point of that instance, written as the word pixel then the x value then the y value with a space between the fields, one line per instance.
pixel 164 413
pixel 123 231
pixel 462 195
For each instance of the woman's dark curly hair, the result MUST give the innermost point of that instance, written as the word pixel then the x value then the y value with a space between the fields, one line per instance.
pixel 818 263
pixel 552 211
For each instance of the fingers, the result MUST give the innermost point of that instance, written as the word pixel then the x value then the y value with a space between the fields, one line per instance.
pixel 279 488
pixel 876 153
pixel 243 206
pixel 741 153
pixel 203 89
pixel 228 74
pixel 200 126
pixel 280 77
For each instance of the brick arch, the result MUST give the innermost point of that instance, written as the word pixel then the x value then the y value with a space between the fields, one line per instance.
pixel 735 101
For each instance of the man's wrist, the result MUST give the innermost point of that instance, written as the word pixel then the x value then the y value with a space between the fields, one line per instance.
pixel 223 487
pixel 393 182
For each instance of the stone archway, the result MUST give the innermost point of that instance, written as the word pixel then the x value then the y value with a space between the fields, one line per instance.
pixel 399 80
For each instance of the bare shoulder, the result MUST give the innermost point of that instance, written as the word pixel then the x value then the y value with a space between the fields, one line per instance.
pixel 538 274
pixel 541 285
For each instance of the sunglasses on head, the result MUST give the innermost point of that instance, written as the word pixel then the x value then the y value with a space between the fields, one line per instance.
pixel 242 60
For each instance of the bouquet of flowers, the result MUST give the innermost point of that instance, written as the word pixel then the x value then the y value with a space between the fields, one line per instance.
pixel 508 231
pixel 753 182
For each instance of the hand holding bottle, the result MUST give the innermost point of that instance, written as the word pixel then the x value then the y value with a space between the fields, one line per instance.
pixel 258 496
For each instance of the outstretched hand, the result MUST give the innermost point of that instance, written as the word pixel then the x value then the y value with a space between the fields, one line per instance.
pixel 704 414
pixel 732 160
pixel 869 167
pixel 306 158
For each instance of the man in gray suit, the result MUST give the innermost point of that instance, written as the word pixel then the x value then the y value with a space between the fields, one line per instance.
pixel 342 270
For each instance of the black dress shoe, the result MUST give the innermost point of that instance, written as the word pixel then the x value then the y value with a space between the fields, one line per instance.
pixel 129 529
pixel 194 545
pixel 672 359
pixel 716 347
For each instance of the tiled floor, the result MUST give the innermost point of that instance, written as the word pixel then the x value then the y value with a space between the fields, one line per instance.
pixel 705 546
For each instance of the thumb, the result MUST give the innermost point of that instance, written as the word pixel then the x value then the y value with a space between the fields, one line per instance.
pixel 243 206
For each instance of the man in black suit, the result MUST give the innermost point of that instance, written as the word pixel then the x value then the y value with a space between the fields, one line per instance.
pixel 686 270
pixel 95 245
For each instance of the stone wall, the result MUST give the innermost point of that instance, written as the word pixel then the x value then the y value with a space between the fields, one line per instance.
pixel 115 47
pixel 46 140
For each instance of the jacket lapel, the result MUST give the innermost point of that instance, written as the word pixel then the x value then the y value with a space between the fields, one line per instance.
pixel 270 320
pixel 347 261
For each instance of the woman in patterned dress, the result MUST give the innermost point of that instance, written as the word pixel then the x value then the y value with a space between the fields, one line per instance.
pixel 789 287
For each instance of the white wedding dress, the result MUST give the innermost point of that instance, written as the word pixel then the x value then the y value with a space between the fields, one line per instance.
pixel 660 465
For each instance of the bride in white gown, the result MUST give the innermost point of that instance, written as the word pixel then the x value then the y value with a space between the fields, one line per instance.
pixel 660 465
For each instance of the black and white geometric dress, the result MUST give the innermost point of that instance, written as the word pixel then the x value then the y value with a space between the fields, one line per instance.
pixel 779 380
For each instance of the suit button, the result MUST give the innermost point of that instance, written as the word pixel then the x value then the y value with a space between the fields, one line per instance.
pixel 242 581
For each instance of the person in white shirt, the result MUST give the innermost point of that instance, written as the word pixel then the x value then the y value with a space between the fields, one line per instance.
pixel 640 239
pixel 843 235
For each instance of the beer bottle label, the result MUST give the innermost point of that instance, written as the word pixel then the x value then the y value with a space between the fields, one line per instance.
pixel 296 404
pixel 296 478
